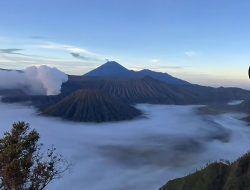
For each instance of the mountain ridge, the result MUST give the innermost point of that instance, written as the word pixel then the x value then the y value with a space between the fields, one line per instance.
pixel 112 69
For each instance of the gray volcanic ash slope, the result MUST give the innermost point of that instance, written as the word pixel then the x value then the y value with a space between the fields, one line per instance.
pixel 140 90
pixel 92 106
pixel 149 90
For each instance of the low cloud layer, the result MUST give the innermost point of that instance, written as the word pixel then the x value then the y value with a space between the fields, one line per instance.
pixel 41 80
pixel 141 154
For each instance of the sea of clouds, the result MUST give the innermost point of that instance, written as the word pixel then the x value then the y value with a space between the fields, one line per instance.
pixel 171 141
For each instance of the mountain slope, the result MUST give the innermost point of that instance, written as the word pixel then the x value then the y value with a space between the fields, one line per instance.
pixel 114 70
pixel 149 90
pixel 216 176
pixel 135 90
pixel 245 107
pixel 210 178
pixel 206 94
pixel 146 90
pixel 164 77
pixel 92 106
pixel 111 69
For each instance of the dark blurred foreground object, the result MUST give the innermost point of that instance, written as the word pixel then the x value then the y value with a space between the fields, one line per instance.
pixel 216 176
pixel 249 72
pixel 22 165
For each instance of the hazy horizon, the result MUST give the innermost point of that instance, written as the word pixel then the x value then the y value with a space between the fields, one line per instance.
pixel 204 80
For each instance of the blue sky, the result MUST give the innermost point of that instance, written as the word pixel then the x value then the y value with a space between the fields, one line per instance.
pixel 203 41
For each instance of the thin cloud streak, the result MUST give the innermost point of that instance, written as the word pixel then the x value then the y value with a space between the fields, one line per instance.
pixel 70 59
pixel 74 51
pixel 10 51
pixel 77 67
pixel 16 51
pixel 37 37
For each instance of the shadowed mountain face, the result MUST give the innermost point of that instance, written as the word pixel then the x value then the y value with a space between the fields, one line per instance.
pixel 114 70
pixel 217 176
pixel 140 90
pixel 245 105
pixel 219 95
pixel 164 77
pixel 149 90
pixel 12 92
pixel 92 106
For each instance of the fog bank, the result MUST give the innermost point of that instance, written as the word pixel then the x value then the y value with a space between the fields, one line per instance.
pixel 141 154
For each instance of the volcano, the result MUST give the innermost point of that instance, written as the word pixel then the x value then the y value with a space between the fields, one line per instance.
pixel 92 106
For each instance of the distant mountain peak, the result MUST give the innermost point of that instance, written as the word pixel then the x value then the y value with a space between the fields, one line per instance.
pixel 110 69
pixel 112 63
pixel 113 69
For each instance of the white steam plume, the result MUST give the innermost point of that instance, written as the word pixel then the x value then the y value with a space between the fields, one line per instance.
pixel 41 80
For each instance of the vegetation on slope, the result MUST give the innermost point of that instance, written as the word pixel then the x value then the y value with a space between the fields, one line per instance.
pixel 216 176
